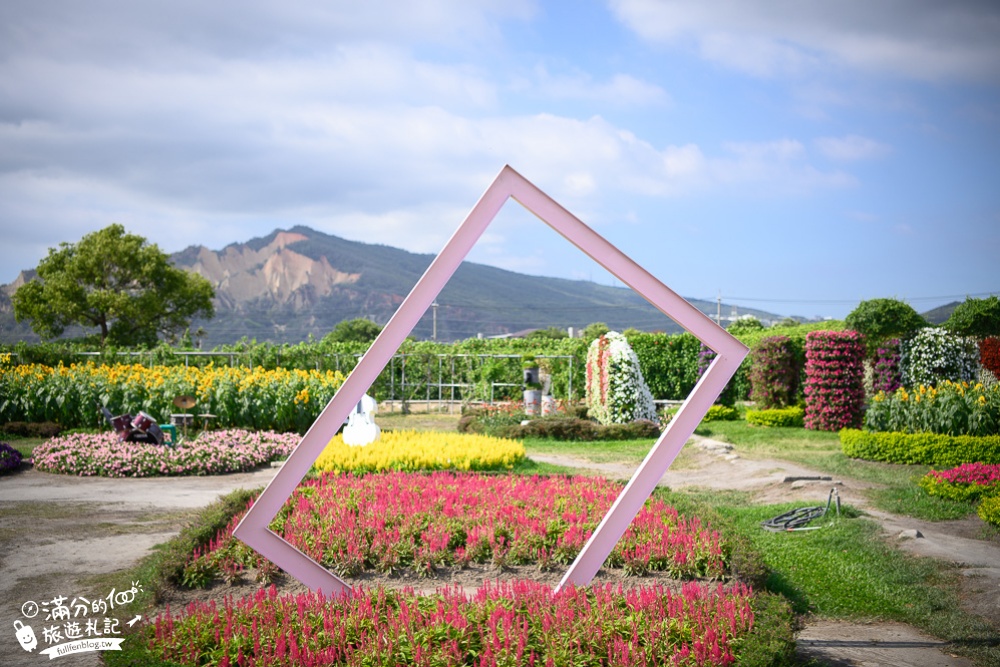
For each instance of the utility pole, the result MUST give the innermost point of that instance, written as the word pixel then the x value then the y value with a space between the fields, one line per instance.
pixel 718 309
pixel 434 330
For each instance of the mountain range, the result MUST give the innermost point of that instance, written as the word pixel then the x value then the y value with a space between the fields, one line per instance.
pixel 299 282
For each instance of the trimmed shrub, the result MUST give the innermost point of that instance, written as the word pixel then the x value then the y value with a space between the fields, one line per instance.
pixel 967 482
pixel 721 413
pixel 669 362
pixel 774 375
pixel 10 458
pixel 881 319
pixel 924 448
pixel 788 417
pixel 989 510
pixel 563 428
pixel 616 390
pixel 834 388
pixel 934 355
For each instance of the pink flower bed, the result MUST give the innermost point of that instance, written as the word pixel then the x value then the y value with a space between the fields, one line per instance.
pixel 211 453
pixel 398 520
pixel 521 623
pixel 968 481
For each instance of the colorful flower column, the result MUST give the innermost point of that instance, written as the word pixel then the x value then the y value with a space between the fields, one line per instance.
pixel 834 380
pixel 617 393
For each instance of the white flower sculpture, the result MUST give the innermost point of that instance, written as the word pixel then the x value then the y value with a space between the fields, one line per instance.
pixel 617 392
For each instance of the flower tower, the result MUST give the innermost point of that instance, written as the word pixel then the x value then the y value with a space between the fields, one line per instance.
pixel 834 390
pixel 617 393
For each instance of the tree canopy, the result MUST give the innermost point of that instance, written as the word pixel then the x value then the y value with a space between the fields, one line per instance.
pixel 976 317
pixel 882 319
pixel 117 282
pixel 358 330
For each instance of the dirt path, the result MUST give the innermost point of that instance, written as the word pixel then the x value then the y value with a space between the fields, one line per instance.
pixel 66 536
pixel 63 535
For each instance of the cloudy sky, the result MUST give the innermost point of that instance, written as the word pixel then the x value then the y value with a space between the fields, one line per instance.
pixel 794 156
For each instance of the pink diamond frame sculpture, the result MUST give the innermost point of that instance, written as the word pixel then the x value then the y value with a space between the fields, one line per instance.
pixel 253 529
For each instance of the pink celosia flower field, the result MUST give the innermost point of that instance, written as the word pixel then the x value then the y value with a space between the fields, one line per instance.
pixel 211 453
pixel 394 521
pixel 520 623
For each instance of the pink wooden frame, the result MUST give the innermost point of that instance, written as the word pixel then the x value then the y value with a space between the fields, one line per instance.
pixel 253 529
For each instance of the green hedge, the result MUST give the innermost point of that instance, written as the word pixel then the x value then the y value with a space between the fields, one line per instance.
pixel 925 448
pixel 989 510
pixel 793 416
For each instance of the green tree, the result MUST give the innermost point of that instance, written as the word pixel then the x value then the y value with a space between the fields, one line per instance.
pixel 117 282
pixel 593 331
pixel 551 333
pixel 976 317
pixel 745 324
pixel 358 330
pixel 882 319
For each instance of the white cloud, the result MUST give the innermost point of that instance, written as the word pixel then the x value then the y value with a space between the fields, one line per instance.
pixel 918 39
pixel 851 148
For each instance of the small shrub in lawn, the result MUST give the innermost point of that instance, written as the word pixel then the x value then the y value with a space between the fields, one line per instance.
pixel 10 458
pixel 413 450
pixel 787 417
pixel 211 453
pixel 721 413
pixel 989 510
pixel 967 482
pixel 417 522
pixel 516 623
pixel 559 427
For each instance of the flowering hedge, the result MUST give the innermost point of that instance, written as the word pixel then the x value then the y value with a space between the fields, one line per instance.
pixel 519 623
pixel 952 408
pixel 774 374
pixel 279 400
pixel 412 450
pixel 934 355
pixel 926 448
pixel 211 453
pixel 616 390
pixel 834 389
pixel 10 458
pixel 393 521
pixel 969 481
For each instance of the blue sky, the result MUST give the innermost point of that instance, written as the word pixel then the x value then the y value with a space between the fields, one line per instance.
pixel 797 157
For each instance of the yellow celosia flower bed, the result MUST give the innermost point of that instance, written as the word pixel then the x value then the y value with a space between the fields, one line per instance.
pixel 421 450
